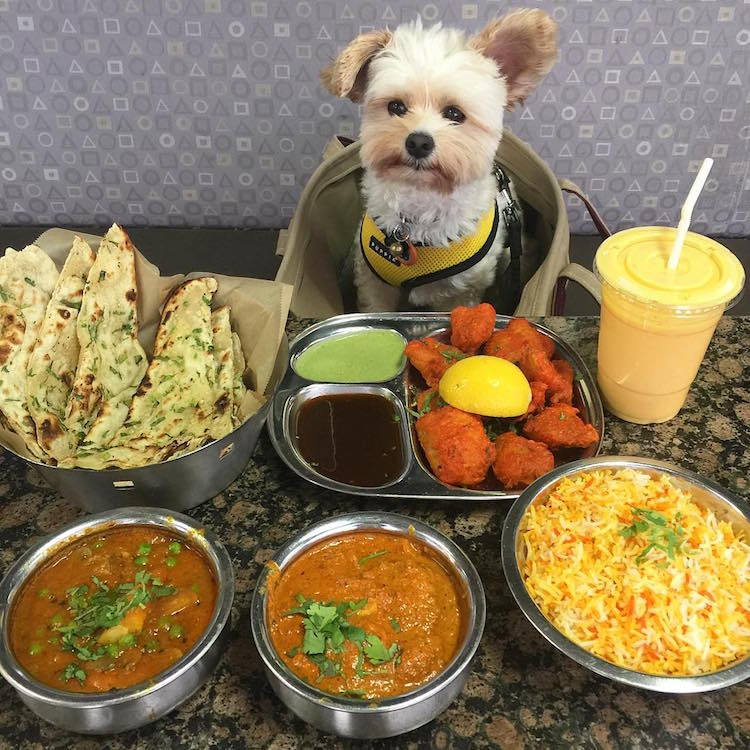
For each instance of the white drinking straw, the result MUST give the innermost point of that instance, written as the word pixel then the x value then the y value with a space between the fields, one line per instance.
pixel 686 214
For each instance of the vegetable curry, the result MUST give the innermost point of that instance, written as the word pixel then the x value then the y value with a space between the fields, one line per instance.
pixel 366 614
pixel 112 609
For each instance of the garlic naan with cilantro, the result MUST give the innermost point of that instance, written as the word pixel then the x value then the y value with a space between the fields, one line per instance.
pixel 27 279
pixel 78 386
pixel 112 361
pixel 185 399
pixel 52 365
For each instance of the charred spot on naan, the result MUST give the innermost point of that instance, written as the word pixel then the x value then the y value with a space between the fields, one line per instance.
pixel 144 387
pixel 12 329
pixel 49 430
pixel 223 403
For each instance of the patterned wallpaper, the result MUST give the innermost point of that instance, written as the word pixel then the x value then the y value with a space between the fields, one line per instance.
pixel 209 112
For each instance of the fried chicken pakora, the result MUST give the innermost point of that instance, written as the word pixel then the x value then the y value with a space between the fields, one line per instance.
pixel 560 426
pixel 432 358
pixel 519 461
pixel 535 365
pixel 512 341
pixel 538 398
pixel 563 394
pixel 472 326
pixel 456 445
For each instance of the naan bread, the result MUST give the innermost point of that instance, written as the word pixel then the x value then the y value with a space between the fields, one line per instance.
pixel 239 388
pixel 52 365
pixel 27 279
pixel 173 409
pixel 111 362
pixel 224 363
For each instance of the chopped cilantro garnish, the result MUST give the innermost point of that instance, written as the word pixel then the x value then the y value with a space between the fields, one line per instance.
pixel 495 426
pixel 451 356
pixel 376 651
pixel 658 532
pixel 29 281
pixel 73 671
pixel 427 404
pixel 98 610
pixel 326 631
pixel 372 556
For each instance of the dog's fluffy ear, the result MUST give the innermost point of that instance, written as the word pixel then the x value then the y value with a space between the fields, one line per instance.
pixel 346 75
pixel 524 46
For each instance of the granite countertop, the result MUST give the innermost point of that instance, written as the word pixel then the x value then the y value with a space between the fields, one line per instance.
pixel 521 692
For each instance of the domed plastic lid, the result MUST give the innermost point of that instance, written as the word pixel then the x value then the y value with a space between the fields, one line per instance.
pixel 634 262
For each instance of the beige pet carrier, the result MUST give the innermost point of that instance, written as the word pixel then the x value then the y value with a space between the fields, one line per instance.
pixel 321 233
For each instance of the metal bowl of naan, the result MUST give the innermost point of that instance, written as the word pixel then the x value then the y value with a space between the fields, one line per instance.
pixel 178 484
pixel 123 387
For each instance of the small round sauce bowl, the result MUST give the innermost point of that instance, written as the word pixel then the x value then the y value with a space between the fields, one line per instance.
pixel 383 717
pixel 133 707
pixel 361 354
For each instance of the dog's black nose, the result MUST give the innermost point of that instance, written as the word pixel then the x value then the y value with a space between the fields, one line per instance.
pixel 419 145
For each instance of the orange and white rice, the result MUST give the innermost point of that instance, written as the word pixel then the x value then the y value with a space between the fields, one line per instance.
pixel 682 616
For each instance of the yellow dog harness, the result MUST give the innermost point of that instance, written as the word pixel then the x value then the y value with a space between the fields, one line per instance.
pixel 432 262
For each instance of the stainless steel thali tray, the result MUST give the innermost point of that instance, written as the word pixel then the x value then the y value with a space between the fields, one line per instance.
pixel 416 480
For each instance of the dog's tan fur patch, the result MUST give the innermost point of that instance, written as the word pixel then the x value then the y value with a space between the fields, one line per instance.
pixel 524 46
pixel 346 75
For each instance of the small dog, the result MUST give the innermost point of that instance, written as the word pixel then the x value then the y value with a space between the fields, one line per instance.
pixel 432 119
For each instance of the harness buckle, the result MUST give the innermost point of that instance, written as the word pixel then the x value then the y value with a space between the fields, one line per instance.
pixel 398 242
pixel 511 214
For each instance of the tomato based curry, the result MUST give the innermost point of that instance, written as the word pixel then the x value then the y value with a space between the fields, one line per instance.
pixel 366 614
pixel 112 609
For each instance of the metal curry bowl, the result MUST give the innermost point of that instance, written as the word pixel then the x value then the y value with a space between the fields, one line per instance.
pixel 726 506
pixel 178 484
pixel 133 707
pixel 386 717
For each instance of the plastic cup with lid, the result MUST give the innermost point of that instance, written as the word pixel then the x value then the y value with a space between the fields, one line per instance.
pixel 657 322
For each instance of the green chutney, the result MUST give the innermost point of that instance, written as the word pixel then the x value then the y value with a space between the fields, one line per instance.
pixel 363 357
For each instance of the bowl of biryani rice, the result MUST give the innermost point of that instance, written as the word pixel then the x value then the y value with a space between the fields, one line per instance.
pixel 636 569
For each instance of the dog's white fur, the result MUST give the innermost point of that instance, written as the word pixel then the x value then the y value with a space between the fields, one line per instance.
pixel 441 197
pixel 436 218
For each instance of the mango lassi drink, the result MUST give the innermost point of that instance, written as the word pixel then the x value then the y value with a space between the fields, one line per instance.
pixel 656 323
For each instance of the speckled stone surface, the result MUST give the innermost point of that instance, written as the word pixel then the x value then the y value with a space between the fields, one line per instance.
pixel 521 692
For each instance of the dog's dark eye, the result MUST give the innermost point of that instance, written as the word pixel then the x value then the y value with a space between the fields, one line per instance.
pixel 454 114
pixel 397 107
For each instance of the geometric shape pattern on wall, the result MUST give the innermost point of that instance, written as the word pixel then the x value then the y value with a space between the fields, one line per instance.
pixel 209 112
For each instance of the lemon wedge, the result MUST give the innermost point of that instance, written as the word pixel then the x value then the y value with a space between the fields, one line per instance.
pixel 489 386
